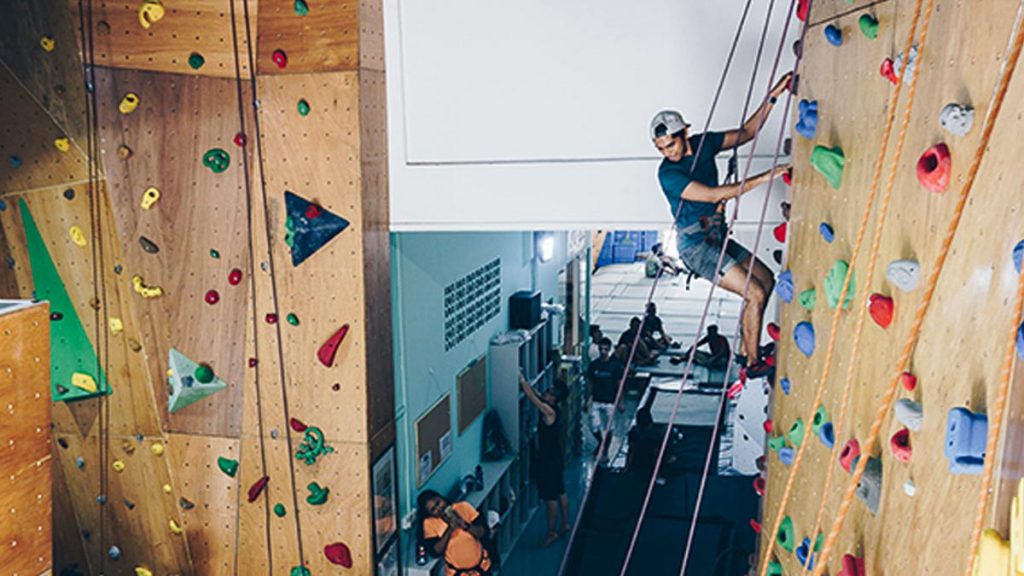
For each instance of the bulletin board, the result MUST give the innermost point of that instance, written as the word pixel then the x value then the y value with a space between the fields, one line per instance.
pixel 472 386
pixel 433 438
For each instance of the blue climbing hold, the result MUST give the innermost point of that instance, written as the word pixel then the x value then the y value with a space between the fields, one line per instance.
pixel 1018 255
pixel 309 227
pixel 827 435
pixel 3 205
pixel 784 286
pixel 834 35
pixel 786 385
pixel 786 455
pixel 15 161
pixel 101 499
pixel 114 552
pixel 966 439
pixel 804 555
pixel 80 462
pixel 1020 342
pixel 803 335
pixel 827 232
pixel 807 125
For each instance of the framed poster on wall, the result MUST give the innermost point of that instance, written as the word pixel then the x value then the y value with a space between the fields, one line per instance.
pixel 387 564
pixel 385 500
pixel 431 446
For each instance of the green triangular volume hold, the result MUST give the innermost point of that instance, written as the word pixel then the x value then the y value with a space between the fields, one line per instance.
pixel 186 381
pixel 71 352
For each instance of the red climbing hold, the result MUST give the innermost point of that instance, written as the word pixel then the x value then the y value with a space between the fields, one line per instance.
pixel 256 489
pixel 759 485
pixel 881 309
pixel 212 297
pixel 849 455
pixel 280 58
pixel 900 444
pixel 327 352
pixel 888 71
pixel 235 277
pixel 787 177
pixel 768 425
pixel 770 360
pixel 240 140
pixel 755 526
pixel 933 168
pixel 336 386
pixel 338 553
pixel 252 362
pixel 312 211
pixel 852 566
pixel 802 9
pixel 735 390
pixel 909 381
pixel 297 425
pixel 774 332
pixel 780 232
pixel 271 318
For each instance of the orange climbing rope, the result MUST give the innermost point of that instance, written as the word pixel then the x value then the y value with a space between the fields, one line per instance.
pixel 830 352
pixel 876 244
pixel 933 280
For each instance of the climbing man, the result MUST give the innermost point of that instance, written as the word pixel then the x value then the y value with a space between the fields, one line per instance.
pixel 689 179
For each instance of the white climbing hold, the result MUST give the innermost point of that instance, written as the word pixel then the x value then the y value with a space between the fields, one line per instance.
pixel 909 488
pixel 897 65
pixel 909 413
pixel 957 118
pixel 904 274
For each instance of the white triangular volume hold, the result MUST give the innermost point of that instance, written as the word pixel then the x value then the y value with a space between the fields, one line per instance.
pixel 184 388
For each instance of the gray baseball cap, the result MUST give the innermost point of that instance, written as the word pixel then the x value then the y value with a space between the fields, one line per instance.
pixel 667 122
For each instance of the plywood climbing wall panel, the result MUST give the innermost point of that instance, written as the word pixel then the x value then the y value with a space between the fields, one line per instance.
pixel 838 12
pixel 188 27
pixel 30 159
pixel 198 228
pixel 324 39
pixel 52 78
pixel 25 439
pixel 958 356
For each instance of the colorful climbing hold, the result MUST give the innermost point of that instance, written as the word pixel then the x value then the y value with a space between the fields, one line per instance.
pixel 292 319
pixel 909 488
pixel 114 552
pixel 834 284
pixel 784 286
pixel 300 571
pixel 834 35
pixel 204 374
pixel 786 385
pixel 313 446
pixel 868 25
pixel 150 12
pixel 270 318
pixel 881 309
pixel 47 43
pixel 933 168
pixel 774 332
pixel 240 140
pixel 957 119
pixel 1020 341
pixel 175 527
pixel 786 456
pixel 140 571
pixel 214 254
pixel 124 152
pixel 829 162
pixel 84 382
pixel 903 274
pixel 157 449
pixel 116 325
pixel 217 160
pixel 69 193
pixel 304 234
pixel 909 413
pixel 211 297
pixel 279 510
pixel 888 71
pixel 827 435
pixel 787 176
pixel 966 437
pixel 227 466
pixel 148 245
pixel 189 381
pixel 775 567
pixel 303 107
pixel 849 455
pixel 329 349
pixel 143 290
pixel 869 489
pixel 897 65
pixel 301 8
pixel 786 536
pixel 804 555
pixel 909 381
pixel 280 58
pixel 807 299
pixel 317 494
pixel 297 425
pixel 62 144
pixel 826 231
pixel 117 465
pixel 900 445
pixel 14 161
pixel 796 432
pixel 196 60
pixel 338 553
pixel 803 335
pixel 807 125
pixel 852 566
pixel 77 236
pixel 257 488
pixel 776 443
pixel 129 102
pixel 760 485
pixel 149 197
pixel 779 232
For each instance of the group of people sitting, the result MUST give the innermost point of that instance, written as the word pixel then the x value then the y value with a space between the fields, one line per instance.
pixel 653 339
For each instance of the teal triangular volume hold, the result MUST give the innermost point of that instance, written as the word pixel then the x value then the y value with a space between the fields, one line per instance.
pixel 73 363
pixel 309 227
pixel 189 382
pixel 829 162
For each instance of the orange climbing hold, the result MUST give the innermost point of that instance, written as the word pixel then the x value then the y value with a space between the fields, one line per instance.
pixel 934 167
pixel 329 350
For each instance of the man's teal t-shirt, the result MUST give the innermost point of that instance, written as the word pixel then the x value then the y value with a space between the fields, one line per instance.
pixel 676 176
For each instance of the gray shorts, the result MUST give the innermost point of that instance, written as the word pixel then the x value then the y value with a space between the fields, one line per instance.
pixel 703 258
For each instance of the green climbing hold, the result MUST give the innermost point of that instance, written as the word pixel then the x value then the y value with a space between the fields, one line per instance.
pixel 279 510
pixel 217 160
pixel 818 542
pixel 776 443
pixel 313 446
pixel 807 298
pixel 820 419
pixel 227 466
pixel 196 60
pixel 829 162
pixel 796 432
pixel 774 568
pixel 317 494
pixel 301 8
pixel 303 107
pixel 786 536
pixel 214 254
pixel 203 374
pixel 301 571
pixel 869 25
pixel 292 319
pixel 834 284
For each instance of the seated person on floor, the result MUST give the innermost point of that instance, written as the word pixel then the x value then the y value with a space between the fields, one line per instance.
pixel 718 346
pixel 455 532
pixel 660 263
pixel 653 328
pixel 645 354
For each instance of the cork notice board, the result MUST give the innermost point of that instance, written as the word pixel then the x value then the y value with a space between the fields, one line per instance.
pixel 433 438
pixel 472 385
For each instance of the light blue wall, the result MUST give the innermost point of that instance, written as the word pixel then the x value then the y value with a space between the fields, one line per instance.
pixel 422 265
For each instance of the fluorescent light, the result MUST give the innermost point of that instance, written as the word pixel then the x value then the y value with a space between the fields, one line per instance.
pixel 545 246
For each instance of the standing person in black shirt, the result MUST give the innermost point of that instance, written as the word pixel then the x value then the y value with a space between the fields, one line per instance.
pixel 550 462
pixel 604 375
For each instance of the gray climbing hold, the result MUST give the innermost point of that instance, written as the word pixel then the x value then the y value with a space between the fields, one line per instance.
pixel 80 462
pixel 909 413
pixel 186 504
pixel 129 504
pixel 101 499
pixel 869 489
pixel 148 245
pixel 957 119
pixel 897 65
pixel 274 433
pixel 114 552
pixel 904 274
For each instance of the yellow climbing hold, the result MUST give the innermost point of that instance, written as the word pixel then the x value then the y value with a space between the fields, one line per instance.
pixel 116 326
pixel 129 102
pixel 149 12
pixel 140 571
pixel 62 144
pixel 993 555
pixel 157 449
pixel 118 465
pixel 83 382
pixel 77 236
pixel 47 43
pixel 146 291
pixel 1017 529
pixel 149 197
pixel 174 527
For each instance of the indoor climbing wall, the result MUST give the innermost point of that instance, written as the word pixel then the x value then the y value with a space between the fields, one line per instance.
pixel 219 281
pixel 915 505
